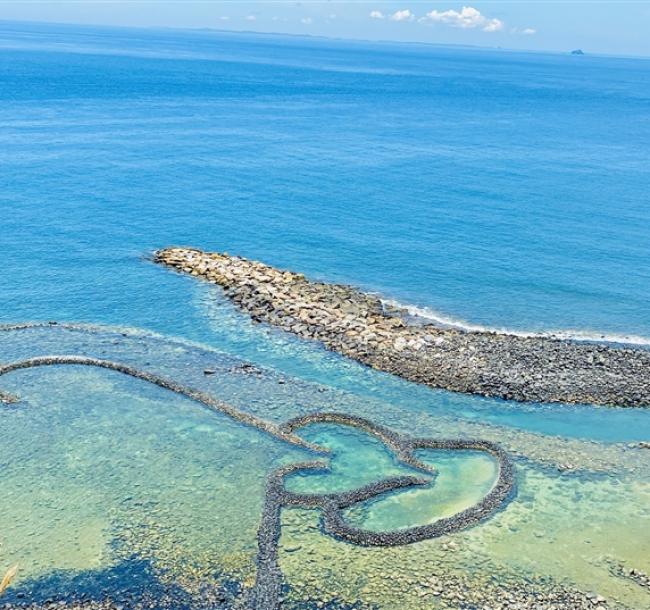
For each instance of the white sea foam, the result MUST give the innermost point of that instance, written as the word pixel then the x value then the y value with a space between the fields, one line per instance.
pixel 446 321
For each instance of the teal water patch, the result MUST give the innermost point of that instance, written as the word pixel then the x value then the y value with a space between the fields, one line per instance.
pixel 308 360
pixel 462 479
pixel 358 460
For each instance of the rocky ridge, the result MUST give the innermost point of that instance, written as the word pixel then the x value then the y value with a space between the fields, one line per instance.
pixel 360 326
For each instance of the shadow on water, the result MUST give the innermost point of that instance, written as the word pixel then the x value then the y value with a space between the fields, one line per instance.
pixel 132 583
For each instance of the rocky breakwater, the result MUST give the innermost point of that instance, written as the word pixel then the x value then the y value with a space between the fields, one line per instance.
pixel 360 326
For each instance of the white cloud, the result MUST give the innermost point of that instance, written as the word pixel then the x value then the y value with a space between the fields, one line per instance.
pixel 467 18
pixel 307 20
pixel 493 25
pixel 251 17
pixel 377 15
pixel 404 15
pixel 224 18
pixel 523 31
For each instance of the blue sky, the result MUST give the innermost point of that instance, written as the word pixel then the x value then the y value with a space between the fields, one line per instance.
pixel 598 27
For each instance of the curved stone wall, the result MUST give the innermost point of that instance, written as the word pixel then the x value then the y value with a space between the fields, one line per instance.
pixel 267 593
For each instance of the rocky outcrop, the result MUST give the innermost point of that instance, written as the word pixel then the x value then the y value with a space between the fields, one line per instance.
pixel 361 326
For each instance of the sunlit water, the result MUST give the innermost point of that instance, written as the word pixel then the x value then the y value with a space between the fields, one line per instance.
pixel 497 188
pixel 98 467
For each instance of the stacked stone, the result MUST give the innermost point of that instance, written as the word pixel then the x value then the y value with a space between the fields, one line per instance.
pixel 360 326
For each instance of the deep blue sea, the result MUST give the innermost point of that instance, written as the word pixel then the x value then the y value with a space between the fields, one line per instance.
pixel 487 187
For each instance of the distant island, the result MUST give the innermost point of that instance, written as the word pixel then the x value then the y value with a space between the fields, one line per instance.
pixel 577 52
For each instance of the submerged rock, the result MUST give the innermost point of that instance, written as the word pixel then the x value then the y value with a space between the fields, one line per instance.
pixel 8 399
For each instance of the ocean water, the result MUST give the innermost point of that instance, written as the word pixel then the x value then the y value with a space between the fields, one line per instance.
pixel 483 187
pixel 503 189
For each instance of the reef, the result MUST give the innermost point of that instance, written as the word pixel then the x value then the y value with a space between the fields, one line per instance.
pixel 361 326
pixel 268 587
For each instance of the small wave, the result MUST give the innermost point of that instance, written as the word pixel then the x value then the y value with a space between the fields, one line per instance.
pixel 131 331
pixel 446 321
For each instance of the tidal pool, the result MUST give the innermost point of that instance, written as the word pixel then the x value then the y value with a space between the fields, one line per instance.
pixel 119 489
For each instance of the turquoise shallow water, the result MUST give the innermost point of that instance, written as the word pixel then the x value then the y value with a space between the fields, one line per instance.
pixel 112 485
pixel 500 189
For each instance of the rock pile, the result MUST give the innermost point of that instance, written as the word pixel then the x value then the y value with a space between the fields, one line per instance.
pixel 361 326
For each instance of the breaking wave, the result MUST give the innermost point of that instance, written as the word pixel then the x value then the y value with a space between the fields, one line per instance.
pixel 446 321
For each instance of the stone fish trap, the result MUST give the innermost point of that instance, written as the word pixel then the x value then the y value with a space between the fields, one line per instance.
pixel 267 592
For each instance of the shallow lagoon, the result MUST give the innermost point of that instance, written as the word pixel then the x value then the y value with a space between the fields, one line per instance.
pixel 99 470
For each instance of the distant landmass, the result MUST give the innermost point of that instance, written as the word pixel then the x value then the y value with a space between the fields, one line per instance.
pixel 577 52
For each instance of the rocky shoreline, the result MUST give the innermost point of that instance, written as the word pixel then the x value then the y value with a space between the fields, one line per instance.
pixel 360 326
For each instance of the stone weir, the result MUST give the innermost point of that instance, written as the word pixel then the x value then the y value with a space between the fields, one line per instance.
pixel 360 326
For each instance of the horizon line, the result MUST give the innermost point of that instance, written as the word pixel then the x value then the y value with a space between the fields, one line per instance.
pixel 381 41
